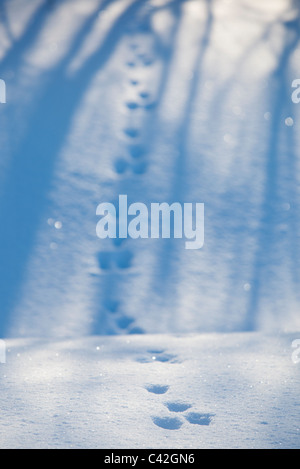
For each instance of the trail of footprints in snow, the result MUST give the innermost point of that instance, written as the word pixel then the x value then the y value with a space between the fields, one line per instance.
pixel 158 356
pixel 134 161
pixel 169 422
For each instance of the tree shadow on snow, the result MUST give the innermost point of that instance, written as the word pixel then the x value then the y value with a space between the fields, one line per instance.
pixel 24 196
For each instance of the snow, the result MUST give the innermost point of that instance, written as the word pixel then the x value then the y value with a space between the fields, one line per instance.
pixel 141 343
pixel 154 391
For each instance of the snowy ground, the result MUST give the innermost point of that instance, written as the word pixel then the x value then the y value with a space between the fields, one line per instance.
pixel 154 391
pixel 164 101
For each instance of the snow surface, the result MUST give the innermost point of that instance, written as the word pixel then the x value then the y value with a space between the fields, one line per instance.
pixel 164 101
pixel 237 390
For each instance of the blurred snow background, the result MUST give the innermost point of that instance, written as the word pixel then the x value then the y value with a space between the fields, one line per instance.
pixel 165 101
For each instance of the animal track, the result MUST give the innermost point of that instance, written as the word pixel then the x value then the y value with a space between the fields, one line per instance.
pixel 144 95
pixel 122 259
pixel 136 151
pixel 130 64
pixel 105 260
pixel 177 406
pixel 132 105
pixel 132 132
pixel 111 305
pixel 139 168
pixel 174 423
pixel 158 356
pixel 137 106
pixel 142 92
pixel 165 357
pixel 136 330
pixel 150 106
pixel 121 165
pixel 145 60
pixel 168 423
pixel 199 419
pixel 124 321
pixel 157 388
